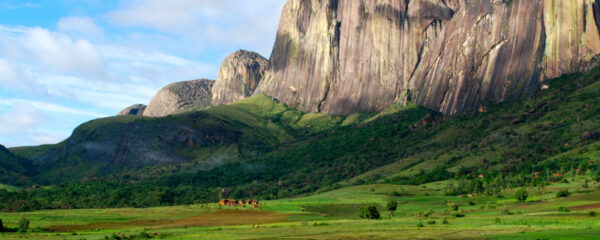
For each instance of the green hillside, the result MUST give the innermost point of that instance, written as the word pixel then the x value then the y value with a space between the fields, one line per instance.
pixel 14 170
pixel 260 148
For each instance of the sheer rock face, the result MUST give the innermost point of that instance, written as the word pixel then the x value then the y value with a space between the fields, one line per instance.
pixel 136 110
pixel 342 57
pixel 239 76
pixel 181 97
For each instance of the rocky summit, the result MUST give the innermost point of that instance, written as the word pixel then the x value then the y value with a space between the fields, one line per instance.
pixel 452 56
pixel 136 110
pixel 181 97
pixel 239 75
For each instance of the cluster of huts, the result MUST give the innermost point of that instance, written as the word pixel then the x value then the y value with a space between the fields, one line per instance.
pixel 233 202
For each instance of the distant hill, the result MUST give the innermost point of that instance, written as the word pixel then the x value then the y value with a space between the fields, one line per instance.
pixel 14 170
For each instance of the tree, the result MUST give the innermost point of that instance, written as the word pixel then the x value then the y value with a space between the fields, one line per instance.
pixel 392 206
pixel 521 195
pixel 369 212
pixel 23 224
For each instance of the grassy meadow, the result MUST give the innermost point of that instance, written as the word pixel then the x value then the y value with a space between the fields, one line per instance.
pixel 423 213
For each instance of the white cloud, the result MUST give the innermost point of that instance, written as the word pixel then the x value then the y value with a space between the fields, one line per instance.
pixel 31 5
pixel 249 23
pixel 79 25
pixel 58 51
pixel 45 106
pixel 23 116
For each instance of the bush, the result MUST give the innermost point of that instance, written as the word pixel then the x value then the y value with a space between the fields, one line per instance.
pixel 498 221
pixel 563 193
pixel 592 214
pixel 453 207
pixel 506 212
pixel 431 222
pixel 563 209
pixel 445 222
pixel 23 224
pixel 369 212
pixel 392 206
pixel 420 224
pixel 521 195
pixel 460 214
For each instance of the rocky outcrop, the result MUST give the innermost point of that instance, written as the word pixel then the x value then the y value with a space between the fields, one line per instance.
pixel 181 97
pixel 238 77
pixel 136 110
pixel 342 57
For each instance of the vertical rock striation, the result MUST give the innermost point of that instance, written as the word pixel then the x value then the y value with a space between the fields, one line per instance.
pixel 239 75
pixel 342 57
pixel 181 97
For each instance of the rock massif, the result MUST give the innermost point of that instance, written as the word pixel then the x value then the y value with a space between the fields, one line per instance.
pixel 342 57
pixel 181 97
pixel 239 75
pixel 136 110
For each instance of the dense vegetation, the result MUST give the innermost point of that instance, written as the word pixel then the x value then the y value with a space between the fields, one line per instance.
pixel 551 136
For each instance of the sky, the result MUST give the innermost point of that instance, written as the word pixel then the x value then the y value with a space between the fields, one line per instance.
pixel 66 62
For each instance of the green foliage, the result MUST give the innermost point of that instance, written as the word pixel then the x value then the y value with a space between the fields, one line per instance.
pixel 392 206
pixel 563 209
pixel 521 195
pixel 123 236
pixel 23 224
pixel 563 193
pixel 369 212
pixel 420 224
pixel 453 207
pixel 446 222
pixel 431 222
pixel 506 211
pixel 459 214
pixel 592 214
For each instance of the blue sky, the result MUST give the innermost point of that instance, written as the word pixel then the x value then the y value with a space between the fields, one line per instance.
pixel 65 62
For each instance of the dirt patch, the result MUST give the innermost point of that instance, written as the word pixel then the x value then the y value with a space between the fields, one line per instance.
pixel 585 207
pixel 106 225
pixel 220 218
pixel 230 217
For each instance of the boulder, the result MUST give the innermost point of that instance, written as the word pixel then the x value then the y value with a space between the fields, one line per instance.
pixel 181 97
pixel 239 75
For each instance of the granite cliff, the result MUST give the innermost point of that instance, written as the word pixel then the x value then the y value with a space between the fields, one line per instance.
pixel 238 77
pixel 342 57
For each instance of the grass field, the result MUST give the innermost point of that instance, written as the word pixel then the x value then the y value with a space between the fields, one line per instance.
pixel 422 213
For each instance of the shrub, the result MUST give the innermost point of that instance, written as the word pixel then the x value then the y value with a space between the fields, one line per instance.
pixel 563 193
pixel 521 195
pixel 369 212
pixel 459 214
pixel 454 207
pixel 429 213
pixel 23 224
pixel 420 224
pixel 506 212
pixel 431 222
pixel 563 209
pixel 498 221
pixel 392 206
pixel 445 222
pixel 592 214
